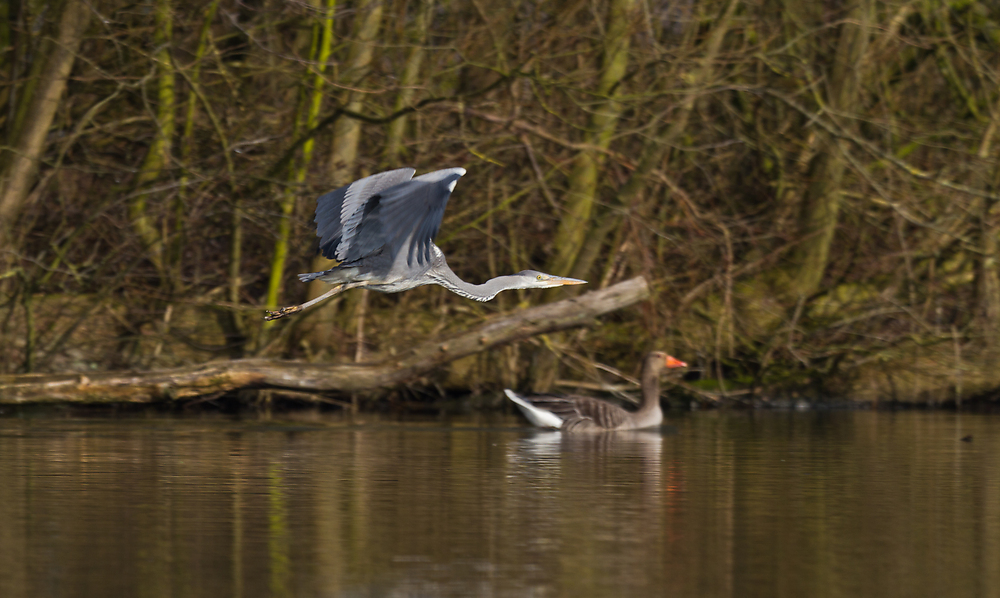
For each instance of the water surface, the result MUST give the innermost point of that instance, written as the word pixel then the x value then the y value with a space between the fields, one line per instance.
pixel 722 504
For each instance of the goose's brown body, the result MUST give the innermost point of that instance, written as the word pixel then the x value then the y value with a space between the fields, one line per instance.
pixel 581 413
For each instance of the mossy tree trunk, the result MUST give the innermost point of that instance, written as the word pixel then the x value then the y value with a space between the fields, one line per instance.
pixel 36 108
pixel 657 147
pixel 7 61
pixel 987 309
pixel 987 175
pixel 187 151
pixel 579 204
pixel 578 207
pixel 343 157
pixel 31 45
pixel 820 202
pixel 159 155
pixel 974 86
pixel 416 36
pixel 231 320
pixel 347 131
pixel 306 116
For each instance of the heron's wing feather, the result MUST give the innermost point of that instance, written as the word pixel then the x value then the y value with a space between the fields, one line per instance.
pixel 341 213
pixel 370 236
pixel 411 213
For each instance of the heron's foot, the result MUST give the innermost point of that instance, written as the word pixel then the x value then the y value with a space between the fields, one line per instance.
pixel 281 313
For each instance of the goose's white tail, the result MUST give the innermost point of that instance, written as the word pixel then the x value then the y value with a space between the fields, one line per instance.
pixel 538 417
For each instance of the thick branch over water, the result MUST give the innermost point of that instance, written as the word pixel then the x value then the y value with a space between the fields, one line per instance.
pixel 226 376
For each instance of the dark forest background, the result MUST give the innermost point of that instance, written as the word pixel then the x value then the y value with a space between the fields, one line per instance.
pixel 809 187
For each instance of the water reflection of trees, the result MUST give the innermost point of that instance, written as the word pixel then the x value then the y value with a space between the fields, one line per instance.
pixel 796 504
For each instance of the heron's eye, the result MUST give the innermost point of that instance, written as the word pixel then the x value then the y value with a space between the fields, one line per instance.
pixel 539 277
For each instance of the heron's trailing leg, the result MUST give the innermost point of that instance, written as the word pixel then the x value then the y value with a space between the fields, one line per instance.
pixel 284 311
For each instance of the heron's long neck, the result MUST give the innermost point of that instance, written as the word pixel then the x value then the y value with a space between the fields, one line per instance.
pixel 443 275
pixel 650 385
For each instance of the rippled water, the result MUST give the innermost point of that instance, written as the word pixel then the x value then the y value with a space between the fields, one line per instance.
pixel 734 504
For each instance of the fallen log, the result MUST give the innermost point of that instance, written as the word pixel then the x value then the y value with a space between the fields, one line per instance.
pixel 226 376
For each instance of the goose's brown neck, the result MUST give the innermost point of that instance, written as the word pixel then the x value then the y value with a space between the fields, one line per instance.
pixel 651 384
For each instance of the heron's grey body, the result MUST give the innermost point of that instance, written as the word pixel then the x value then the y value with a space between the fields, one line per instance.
pixel 381 229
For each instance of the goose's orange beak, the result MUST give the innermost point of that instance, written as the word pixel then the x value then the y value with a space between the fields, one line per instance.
pixel 673 362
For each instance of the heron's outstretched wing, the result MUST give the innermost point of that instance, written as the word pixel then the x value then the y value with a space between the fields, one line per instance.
pixel 341 213
pixel 411 212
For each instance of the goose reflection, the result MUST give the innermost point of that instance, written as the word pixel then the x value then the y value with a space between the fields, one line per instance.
pixel 595 456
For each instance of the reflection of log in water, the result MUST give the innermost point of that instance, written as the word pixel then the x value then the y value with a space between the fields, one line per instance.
pixel 222 377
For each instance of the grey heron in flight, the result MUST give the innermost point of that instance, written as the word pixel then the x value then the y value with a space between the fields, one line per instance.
pixel 381 230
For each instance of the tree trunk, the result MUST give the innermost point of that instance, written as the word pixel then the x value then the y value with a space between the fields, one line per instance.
pixel 657 147
pixel 576 218
pixel 417 36
pixel 158 156
pixel 346 136
pixel 322 46
pixel 21 162
pixel 579 204
pixel 7 14
pixel 187 150
pixel 820 204
pixel 987 281
pixel 347 131
pixel 987 308
pixel 984 105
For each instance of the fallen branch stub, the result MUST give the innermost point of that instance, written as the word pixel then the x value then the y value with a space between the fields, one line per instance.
pixel 226 376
